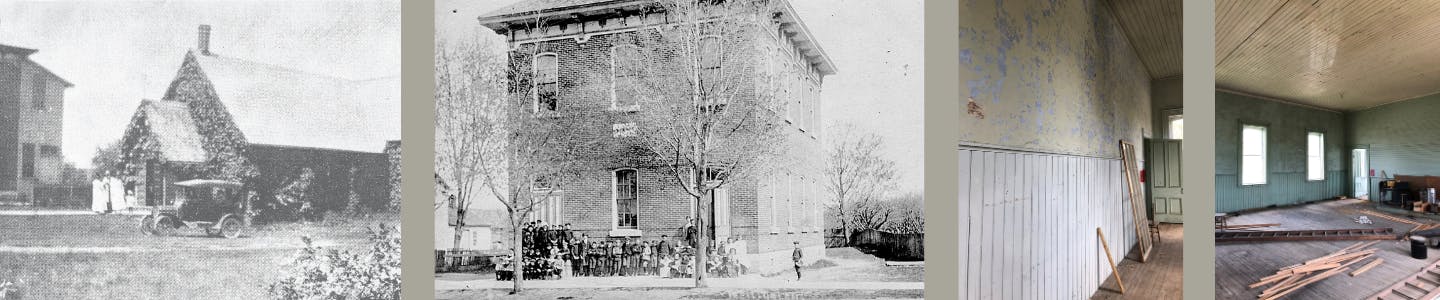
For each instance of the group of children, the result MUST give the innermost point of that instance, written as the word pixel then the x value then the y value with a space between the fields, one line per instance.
pixel 555 252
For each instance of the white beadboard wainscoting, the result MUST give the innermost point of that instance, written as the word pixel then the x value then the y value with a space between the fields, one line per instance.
pixel 1028 219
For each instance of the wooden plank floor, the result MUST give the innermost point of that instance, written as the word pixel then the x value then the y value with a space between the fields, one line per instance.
pixel 1238 265
pixel 1160 278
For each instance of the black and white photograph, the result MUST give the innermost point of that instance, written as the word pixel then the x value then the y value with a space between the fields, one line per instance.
pixel 199 149
pixel 667 149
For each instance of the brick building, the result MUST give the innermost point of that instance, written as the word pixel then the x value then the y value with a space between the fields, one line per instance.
pixel 576 68
pixel 32 105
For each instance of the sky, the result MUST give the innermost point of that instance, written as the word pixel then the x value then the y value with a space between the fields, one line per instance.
pixel 877 45
pixel 119 52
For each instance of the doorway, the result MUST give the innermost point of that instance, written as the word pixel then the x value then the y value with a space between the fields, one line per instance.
pixel 1360 167
pixel 1167 198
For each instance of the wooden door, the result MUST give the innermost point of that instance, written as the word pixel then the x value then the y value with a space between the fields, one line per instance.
pixel 1167 193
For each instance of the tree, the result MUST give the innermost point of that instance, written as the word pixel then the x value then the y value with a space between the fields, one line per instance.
pixel 490 140
pixel 908 214
pixel 858 178
pixel 702 117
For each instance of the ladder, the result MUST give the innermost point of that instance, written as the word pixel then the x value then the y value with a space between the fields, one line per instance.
pixel 1423 285
pixel 1307 235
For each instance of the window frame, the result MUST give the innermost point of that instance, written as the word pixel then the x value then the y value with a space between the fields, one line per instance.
pixel 719 67
pixel 616 70
pixel 535 81
pixel 1319 155
pixel 1264 155
pixel 40 90
pixel 27 160
pixel 1170 120
pixel 615 200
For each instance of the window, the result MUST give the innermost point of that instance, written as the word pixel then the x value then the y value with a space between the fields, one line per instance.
pixel 789 199
pixel 1177 127
pixel 1315 156
pixel 49 150
pixel 39 91
pixel 627 204
pixel 546 82
pixel 542 183
pixel 767 192
pixel 626 66
pixel 1252 155
pixel 27 160
pixel 623 130
pixel 710 68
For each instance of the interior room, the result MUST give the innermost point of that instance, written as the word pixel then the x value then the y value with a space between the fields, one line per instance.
pixel 1326 139
pixel 1051 205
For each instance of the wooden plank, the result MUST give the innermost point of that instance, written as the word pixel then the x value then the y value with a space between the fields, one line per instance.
pixel 1367 267
pixel 1137 203
pixel 1113 270
pixel 964 213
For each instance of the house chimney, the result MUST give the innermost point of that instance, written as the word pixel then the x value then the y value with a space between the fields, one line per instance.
pixel 204 42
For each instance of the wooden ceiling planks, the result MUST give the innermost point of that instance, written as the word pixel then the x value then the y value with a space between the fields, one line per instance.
pixel 1342 55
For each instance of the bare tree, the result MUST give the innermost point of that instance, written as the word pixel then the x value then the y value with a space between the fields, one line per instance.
pixel 908 214
pixel 491 138
pixel 702 116
pixel 858 178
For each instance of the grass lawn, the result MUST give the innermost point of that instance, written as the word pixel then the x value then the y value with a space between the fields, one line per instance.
pixel 189 266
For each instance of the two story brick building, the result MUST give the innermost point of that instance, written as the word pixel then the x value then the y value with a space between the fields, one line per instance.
pixel 572 59
pixel 32 106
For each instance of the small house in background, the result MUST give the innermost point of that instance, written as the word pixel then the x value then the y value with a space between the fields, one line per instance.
pixel 278 130
pixel 32 108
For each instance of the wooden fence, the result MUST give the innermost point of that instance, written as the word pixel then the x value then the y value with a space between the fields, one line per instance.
pixel 891 246
pixel 463 261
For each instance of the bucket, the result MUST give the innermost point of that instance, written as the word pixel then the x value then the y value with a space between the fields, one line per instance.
pixel 1417 247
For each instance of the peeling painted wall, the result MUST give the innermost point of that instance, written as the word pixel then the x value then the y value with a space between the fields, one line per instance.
pixel 1055 84
pixel 1051 76
pixel 1286 129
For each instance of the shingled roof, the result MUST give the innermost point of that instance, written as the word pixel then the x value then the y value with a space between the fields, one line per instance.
pixel 280 106
pixel 171 127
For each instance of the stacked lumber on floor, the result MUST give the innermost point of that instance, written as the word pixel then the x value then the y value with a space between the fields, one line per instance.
pixel 1292 278
pixel 1389 217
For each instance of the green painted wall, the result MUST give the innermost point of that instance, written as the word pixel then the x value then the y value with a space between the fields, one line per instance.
pixel 1050 76
pixel 1165 94
pixel 1286 135
pixel 1403 137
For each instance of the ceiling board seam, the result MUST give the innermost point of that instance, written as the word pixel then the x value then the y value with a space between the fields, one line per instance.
pixel 1252 32
pixel 1274 99
pixel 1402 99
pixel 1129 37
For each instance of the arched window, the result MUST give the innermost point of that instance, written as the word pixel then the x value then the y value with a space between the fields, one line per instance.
pixel 625 66
pixel 546 82
pixel 627 200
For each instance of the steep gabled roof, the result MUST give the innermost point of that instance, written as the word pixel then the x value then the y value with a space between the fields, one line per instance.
pixel 280 106
pixel 171 126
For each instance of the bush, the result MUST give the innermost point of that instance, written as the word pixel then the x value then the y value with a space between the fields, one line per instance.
pixel 319 273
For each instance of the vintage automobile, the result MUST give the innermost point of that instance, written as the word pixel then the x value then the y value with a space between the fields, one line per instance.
pixel 213 205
